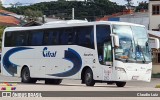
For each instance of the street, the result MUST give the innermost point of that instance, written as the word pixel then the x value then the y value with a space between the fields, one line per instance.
pixel 74 85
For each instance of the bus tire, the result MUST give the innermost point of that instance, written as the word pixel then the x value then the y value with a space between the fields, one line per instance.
pixel 89 81
pixel 120 84
pixel 53 81
pixel 25 76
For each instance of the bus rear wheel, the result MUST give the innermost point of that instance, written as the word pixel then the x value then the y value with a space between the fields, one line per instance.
pixel 89 81
pixel 53 81
pixel 25 76
pixel 120 84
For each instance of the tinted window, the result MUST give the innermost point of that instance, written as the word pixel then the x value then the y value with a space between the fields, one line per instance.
pixel 85 36
pixel 51 37
pixel 8 39
pixel 21 38
pixel 36 38
pixel 63 37
pixel 103 34
pixel 103 43
pixel 68 36
pixel 82 36
pixel 71 34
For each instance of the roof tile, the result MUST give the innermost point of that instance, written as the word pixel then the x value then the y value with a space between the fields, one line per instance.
pixel 9 20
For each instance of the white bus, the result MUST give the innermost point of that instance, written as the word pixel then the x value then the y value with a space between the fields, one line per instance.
pixel 111 52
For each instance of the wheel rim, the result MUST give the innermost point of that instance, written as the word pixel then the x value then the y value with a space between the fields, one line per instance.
pixel 88 77
pixel 26 75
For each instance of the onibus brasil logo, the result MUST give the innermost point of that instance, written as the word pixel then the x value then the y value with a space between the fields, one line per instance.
pixel 8 86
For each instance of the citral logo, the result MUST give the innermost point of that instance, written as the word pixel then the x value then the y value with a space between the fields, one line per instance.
pixel 47 53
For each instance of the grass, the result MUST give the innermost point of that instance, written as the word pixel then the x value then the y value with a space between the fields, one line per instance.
pixel 157 86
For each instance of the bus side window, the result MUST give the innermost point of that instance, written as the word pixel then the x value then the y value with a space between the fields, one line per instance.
pixel 63 38
pixel 71 37
pixel 50 37
pixel 9 39
pixel 46 38
pixel 54 38
pixel 36 38
pixel 21 39
pixel 85 37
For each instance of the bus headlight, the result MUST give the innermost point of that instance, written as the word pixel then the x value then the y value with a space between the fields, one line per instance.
pixel 120 69
pixel 148 71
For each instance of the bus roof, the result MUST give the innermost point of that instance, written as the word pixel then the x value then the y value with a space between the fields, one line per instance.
pixel 69 23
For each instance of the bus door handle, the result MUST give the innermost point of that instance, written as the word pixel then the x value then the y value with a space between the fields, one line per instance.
pixel 56 66
pixel 43 66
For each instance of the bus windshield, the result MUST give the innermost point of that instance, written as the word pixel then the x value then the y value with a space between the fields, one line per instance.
pixel 133 43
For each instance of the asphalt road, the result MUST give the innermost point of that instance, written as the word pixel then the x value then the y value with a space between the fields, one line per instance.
pixel 75 85
pixel 134 84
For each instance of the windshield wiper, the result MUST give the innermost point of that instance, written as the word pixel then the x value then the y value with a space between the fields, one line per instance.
pixel 144 60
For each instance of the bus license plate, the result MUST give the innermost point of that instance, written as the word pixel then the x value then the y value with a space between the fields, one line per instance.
pixel 135 77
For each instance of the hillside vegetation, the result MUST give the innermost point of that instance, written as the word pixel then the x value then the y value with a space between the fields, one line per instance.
pixel 63 9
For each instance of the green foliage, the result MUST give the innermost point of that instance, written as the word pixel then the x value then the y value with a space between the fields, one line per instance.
pixel 63 9
pixel 32 15
pixel 1 7
pixel 142 5
pixel 129 3
pixel 1 34
pixel 61 0
pixel 157 86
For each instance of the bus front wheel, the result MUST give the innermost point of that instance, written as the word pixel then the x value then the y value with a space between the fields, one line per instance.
pixel 120 84
pixel 89 81
pixel 25 76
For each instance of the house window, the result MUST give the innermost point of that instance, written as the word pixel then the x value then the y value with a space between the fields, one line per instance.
pixel 156 10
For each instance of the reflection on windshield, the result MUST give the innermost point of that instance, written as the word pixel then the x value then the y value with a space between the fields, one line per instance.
pixel 141 42
pixel 133 43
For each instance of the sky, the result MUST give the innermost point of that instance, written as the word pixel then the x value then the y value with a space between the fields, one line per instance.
pixel 120 2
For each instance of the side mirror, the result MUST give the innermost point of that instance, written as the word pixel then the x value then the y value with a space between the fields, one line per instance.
pixel 115 39
pixel 154 43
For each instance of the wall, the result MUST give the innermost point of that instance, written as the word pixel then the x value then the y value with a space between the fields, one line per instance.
pixel 137 20
pixel 154 19
pixel 156 69
pixel 114 19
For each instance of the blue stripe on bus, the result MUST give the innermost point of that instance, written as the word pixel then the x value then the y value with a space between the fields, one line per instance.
pixel 72 56
pixel 10 67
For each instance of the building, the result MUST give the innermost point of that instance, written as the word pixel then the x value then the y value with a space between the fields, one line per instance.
pixel 154 14
pixel 154 26
pixel 7 20
pixel 130 16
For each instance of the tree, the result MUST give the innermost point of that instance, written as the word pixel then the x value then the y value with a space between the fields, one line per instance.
pixel 1 33
pixel 1 7
pixel 142 5
pixel 32 15
pixel 129 3
pixel 61 0
pixel 91 9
